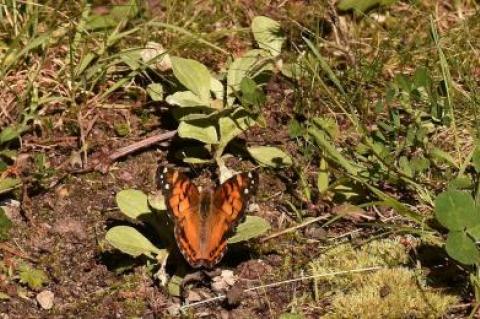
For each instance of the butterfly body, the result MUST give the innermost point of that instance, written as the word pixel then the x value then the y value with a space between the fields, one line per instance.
pixel 203 220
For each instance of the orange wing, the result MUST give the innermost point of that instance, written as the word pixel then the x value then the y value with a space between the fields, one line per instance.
pixel 228 206
pixel 183 200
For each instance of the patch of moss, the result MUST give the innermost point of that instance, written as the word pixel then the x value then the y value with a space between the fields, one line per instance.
pixel 391 292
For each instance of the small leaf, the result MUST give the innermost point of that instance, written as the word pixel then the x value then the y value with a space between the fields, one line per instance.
pixel 231 126
pixel 34 278
pixel 130 241
pixel 155 91
pixel 194 155
pixel 194 76
pixel 252 227
pixel 185 99
pixel 203 133
pixel 456 210
pixel 5 225
pixel 462 248
pixel 7 184
pixel 443 156
pixel 157 201
pixel 132 203
pixel 252 62
pixel 174 286
pixel 251 93
pixel 10 133
pixel 270 156
pixel 268 34
pixel 323 176
pixel 361 5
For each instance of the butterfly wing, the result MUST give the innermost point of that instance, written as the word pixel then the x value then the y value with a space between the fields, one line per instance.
pixel 228 207
pixel 182 199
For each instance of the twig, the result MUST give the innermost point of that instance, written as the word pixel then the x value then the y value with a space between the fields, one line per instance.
pixel 276 284
pixel 141 144
pixel 13 251
pixel 308 222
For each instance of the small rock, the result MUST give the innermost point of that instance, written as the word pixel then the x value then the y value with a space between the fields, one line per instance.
pixel 45 299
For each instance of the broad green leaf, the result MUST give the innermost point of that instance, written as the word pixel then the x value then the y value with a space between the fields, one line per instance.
pixel 5 225
pixel 133 203
pixel 194 76
pixel 456 210
pixel 155 91
pixel 217 88
pixel 125 11
pixel 7 184
pixel 362 5
pixel 268 34
pixel 97 22
pixel 270 156
pixel 462 248
pixel 130 241
pixel 252 227
pixel 185 99
pixel 328 125
pixel 203 133
pixel 231 126
pixel 252 62
pixel 34 278
pixel 132 58
pixel 194 155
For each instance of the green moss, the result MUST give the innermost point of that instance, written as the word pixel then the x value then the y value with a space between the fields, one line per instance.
pixel 392 292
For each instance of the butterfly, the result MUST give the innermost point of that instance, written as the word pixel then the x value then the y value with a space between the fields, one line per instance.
pixel 204 219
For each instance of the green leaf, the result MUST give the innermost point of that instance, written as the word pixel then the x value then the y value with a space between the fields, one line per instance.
pixel 130 241
pixel 5 225
pixel 7 184
pixel 185 99
pixel 361 5
pixel 231 126
pixel 252 227
pixel 252 62
pixel 270 156
pixel 443 156
pixel 194 76
pixel 474 232
pixel 174 286
pixel 205 133
pixel 331 152
pixel 268 34
pixel 323 176
pixel 194 155
pixel 10 133
pixel 456 210
pixel 157 202
pixel 155 91
pixel 462 248
pixel 251 93
pixel 133 203
pixel 34 278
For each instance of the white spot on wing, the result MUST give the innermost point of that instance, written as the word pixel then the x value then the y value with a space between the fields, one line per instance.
pixel 165 169
pixel 167 186
pixel 246 191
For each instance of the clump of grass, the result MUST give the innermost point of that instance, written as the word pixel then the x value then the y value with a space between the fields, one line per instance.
pixel 393 292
